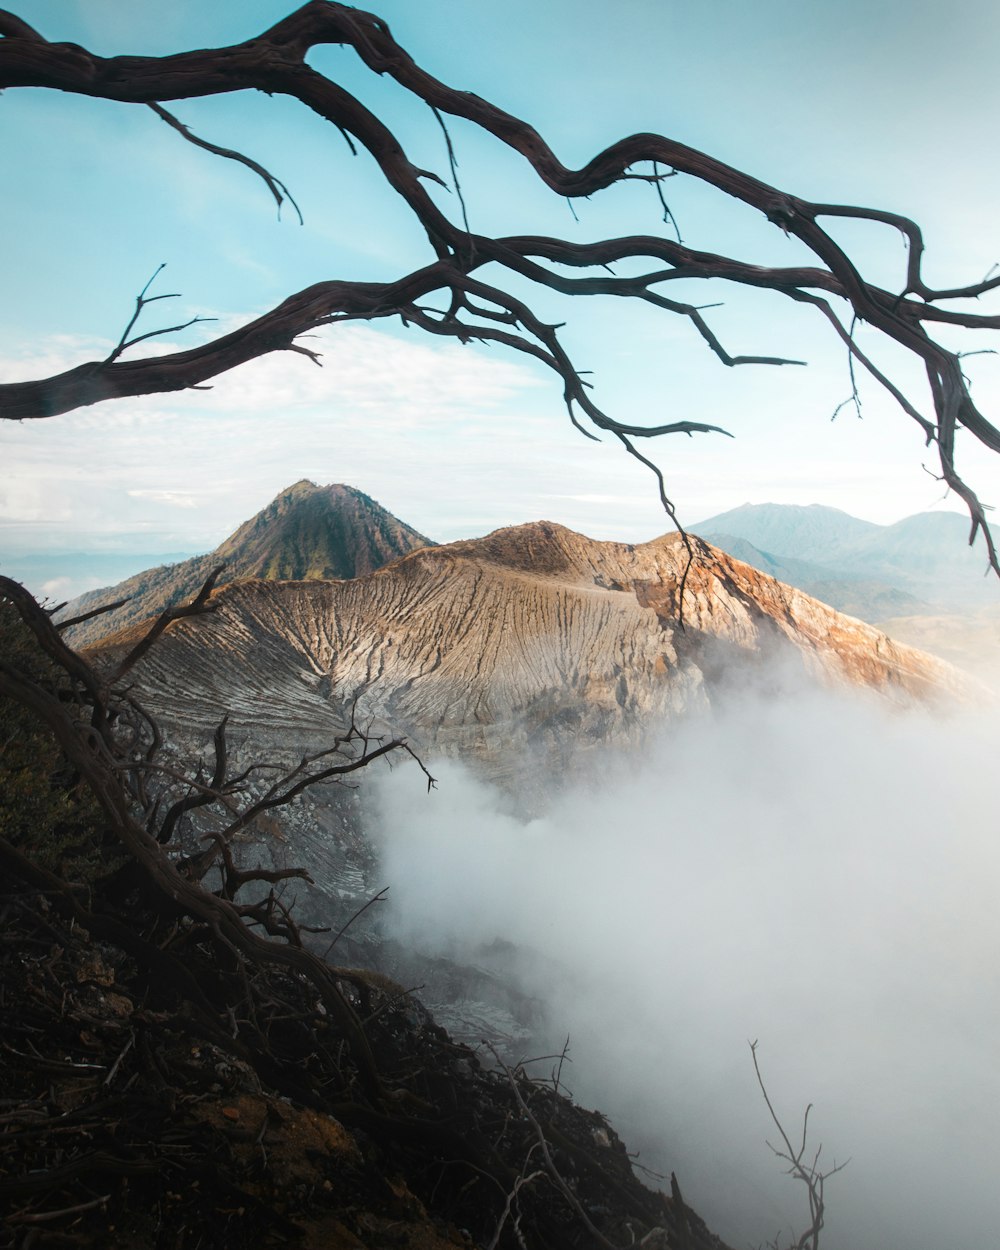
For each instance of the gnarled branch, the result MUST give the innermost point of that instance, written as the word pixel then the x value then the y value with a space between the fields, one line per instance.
pixel 275 62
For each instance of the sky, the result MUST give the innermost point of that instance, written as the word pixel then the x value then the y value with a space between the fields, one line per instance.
pixel 886 103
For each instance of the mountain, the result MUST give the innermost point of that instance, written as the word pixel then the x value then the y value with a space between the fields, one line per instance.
pixel 312 531
pixel 533 639
pixel 307 531
pixel 810 532
pixel 917 566
pixel 534 654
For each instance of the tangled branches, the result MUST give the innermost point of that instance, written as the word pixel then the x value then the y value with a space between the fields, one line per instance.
pixel 113 746
pixel 487 311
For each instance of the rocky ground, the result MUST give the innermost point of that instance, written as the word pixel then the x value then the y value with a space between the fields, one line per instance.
pixel 126 1122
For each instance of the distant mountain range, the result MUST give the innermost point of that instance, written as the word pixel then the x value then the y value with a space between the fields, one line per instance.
pixel 894 575
pixel 920 565
pixel 529 654
pixel 306 532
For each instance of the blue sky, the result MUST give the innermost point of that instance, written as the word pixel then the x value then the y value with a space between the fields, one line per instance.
pixel 889 103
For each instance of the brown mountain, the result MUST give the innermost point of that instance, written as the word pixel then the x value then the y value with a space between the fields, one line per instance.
pixel 308 531
pixel 534 639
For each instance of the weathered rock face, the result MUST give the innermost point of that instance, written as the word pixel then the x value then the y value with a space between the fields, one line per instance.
pixel 532 638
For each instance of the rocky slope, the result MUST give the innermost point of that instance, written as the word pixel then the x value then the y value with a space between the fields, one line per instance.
pixel 307 531
pixel 163 1085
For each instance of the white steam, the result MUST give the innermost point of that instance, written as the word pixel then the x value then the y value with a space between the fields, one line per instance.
pixel 814 872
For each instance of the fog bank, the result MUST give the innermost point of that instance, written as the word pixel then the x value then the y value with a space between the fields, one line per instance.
pixel 815 872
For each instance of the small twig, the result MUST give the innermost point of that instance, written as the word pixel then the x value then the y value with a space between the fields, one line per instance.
pixel 274 185
pixel 141 300
pixel 800 1166
pixel 453 162
pixel 524 1179
pixel 668 217
pixel 376 898
pixel 117 1063
pixel 553 1172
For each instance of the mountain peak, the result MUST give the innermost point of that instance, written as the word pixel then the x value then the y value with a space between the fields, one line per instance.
pixel 310 531
pixel 306 532
pixel 802 531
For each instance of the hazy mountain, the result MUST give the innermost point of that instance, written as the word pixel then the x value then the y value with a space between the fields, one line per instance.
pixel 809 532
pixel 307 531
pixel 916 566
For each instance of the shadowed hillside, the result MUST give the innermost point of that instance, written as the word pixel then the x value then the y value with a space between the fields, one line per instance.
pixel 165 1085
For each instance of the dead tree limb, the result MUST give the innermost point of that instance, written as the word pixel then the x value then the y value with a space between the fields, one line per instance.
pixel 88 616
pixel 275 62
pixel 273 184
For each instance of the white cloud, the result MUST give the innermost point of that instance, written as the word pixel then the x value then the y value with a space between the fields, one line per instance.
pixel 129 465
pixel 814 872
pixel 365 371
pixel 173 498
pixel 57 587
pixel 58 353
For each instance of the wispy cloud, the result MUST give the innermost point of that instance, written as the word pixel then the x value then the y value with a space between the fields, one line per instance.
pixel 812 871
pixel 382 408
pixel 173 498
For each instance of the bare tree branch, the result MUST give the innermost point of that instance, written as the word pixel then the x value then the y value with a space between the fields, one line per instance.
pixel 198 606
pixel 89 616
pixel 274 185
pixel 275 62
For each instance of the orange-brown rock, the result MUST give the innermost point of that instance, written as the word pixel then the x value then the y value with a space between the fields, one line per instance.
pixel 532 637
